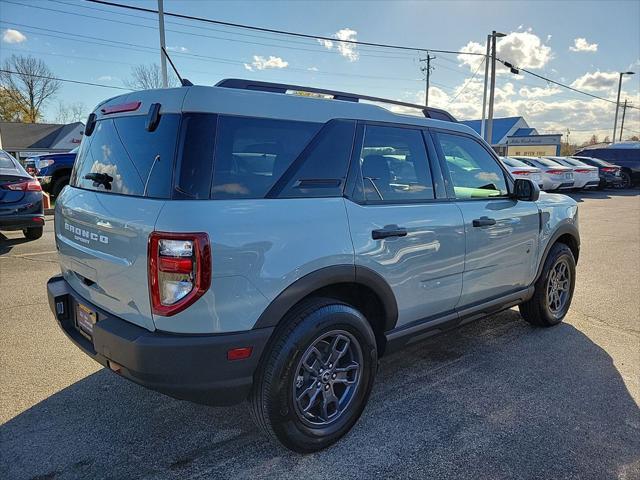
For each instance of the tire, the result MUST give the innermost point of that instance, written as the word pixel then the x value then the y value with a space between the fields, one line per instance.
pixel 318 323
pixel 58 185
pixel 626 179
pixel 539 310
pixel 33 233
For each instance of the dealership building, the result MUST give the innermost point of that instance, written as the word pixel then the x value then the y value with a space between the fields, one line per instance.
pixel 513 136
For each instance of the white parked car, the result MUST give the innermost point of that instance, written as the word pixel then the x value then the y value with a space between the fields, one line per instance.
pixel 554 175
pixel 519 169
pixel 584 176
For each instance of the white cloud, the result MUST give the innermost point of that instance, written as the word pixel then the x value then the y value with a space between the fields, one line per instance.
pixel 13 36
pixel 539 92
pixel 262 63
pixel 312 69
pixel 581 45
pixel 178 49
pixel 523 49
pixel 597 81
pixel 106 78
pixel 346 49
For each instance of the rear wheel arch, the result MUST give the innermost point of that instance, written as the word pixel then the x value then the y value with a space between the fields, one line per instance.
pixel 360 287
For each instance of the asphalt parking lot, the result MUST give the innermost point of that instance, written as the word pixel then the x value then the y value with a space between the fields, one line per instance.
pixel 494 399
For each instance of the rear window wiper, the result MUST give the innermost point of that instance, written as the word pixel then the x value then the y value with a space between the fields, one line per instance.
pixel 100 179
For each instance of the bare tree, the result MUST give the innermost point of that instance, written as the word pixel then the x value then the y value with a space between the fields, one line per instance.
pixel 73 112
pixel 30 86
pixel 147 77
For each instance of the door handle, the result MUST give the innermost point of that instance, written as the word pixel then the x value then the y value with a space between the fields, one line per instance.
pixel 389 231
pixel 484 222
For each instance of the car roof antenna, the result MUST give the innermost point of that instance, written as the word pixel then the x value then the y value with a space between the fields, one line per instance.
pixel 183 81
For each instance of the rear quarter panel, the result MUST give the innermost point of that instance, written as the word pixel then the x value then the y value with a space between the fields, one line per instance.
pixel 259 247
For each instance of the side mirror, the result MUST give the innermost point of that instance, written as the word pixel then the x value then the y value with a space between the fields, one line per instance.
pixel 525 190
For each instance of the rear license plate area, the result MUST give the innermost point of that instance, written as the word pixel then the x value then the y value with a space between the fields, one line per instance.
pixel 85 320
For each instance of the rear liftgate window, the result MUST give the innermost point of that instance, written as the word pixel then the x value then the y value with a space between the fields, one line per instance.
pixel 122 157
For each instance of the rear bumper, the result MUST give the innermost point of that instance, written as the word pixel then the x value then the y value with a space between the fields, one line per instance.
pixel 188 367
pixel 610 181
pixel 19 222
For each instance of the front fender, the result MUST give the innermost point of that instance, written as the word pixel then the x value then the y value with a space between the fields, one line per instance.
pixel 558 218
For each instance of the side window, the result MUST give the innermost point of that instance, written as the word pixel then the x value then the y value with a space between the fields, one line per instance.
pixel 474 172
pixel 323 167
pixel 394 165
pixel 252 153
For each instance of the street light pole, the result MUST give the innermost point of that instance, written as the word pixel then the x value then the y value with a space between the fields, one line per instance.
pixel 494 35
pixel 163 60
pixel 615 121
pixel 484 93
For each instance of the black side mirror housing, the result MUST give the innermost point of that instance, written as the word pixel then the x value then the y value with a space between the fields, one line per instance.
pixel 525 190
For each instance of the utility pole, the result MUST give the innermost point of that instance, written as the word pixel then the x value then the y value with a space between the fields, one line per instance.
pixel 427 71
pixel 163 60
pixel 624 110
pixel 615 121
pixel 568 133
pixel 484 93
pixel 494 35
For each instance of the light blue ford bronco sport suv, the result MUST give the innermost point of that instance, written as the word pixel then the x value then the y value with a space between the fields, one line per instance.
pixel 240 242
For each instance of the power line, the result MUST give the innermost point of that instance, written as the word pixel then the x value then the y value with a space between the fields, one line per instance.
pixel 145 49
pixel 262 44
pixel 13 72
pixel 281 32
pixel 467 82
pixel 564 85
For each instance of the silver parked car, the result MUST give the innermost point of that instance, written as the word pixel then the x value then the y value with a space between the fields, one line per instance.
pixel 519 169
pixel 230 243
pixel 584 176
pixel 554 175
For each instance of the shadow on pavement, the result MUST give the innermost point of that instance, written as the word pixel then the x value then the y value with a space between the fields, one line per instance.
pixel 495 399
pixel 6 244
pixel 604 194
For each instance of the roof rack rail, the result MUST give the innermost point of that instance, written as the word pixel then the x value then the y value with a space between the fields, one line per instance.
pixel 241 84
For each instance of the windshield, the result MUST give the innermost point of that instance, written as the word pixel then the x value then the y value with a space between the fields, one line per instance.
pixel 512 162
pixel 547 163
pixel 6 160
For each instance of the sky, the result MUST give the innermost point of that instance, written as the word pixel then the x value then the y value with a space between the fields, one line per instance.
pixel 584 44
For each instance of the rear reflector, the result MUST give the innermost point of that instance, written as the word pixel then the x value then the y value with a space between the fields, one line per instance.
pixel 239 353
pixel 175 265
pixel 123 107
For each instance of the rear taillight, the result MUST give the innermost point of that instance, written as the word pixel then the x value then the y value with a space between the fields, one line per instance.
pixel 179 270
pixel 556 172
pixel 521 172
pixel 582 170
pixel 609 169
pixel 26 186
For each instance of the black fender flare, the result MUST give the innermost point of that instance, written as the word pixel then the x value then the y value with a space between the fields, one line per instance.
pixel 325 277
pixel 564 229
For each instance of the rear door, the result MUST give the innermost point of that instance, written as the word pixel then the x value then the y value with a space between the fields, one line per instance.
pixel 501 232
pixel 401 225
pixel 119 184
